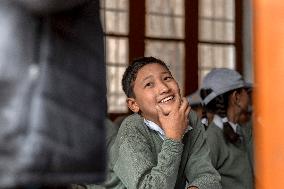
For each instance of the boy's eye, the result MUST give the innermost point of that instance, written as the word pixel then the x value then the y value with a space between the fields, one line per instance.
pixel 148 84
pixel 168 78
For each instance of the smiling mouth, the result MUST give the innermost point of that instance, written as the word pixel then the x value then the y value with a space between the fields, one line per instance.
pixel 167 99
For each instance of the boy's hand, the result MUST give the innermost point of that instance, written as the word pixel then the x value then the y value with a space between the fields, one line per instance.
pixel 175 123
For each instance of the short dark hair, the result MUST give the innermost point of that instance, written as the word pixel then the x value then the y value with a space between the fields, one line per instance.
pixel 131 71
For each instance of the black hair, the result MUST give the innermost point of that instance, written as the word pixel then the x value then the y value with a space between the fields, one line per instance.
pixel 219 106
pixel 131 71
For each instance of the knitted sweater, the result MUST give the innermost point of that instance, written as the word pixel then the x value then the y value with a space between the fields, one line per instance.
pixel 140 158
pixel 231 161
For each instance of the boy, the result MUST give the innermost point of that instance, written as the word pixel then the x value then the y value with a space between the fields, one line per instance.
pixel 155 147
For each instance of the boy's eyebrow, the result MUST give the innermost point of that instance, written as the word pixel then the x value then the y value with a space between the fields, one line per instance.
pixel 147 77
pixel 150 76
pixel 164 72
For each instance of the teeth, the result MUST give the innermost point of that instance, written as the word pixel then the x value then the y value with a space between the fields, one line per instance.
pixel 167 99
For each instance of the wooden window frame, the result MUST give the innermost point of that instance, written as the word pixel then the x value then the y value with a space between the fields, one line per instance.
pixel 137 37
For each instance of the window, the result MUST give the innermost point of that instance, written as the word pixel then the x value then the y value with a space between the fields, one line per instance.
pixel 165 34
pixel 115 15
pixel 191 36
pixel 217 40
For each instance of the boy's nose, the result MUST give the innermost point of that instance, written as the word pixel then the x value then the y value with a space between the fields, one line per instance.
pixel 163 87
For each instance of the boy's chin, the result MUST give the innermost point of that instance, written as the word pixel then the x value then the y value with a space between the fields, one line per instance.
pixel 166 110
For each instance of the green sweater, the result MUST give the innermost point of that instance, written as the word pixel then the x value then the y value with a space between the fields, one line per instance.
pixel 139 158
pixel 248 134
pixel 231 161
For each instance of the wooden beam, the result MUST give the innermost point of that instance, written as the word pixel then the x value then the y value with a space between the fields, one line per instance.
pixel 191 46
pixel 137 10
pixel 239 34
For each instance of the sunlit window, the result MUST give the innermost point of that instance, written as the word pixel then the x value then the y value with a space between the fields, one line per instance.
pixel 165 34
pixel 192 37
pixel 216 47
pixel 115 15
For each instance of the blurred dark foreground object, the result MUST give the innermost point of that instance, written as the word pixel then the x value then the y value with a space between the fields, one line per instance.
pixel 52 93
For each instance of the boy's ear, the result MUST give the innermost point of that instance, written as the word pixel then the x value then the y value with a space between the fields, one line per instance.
pixel 132 105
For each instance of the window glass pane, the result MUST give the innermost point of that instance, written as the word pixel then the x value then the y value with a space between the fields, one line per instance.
pixel 117 61
pixel 115 4
pixel 170 52
pixel 205 30
pixel 216 46
pixel 229 10
pixel 230 56
pixel 223 31
pixel 168 7
pixel 122 50
pixel 220 26
pixel 111 47
pixel 117 103
pixel 205 8
pixel 122 4
pixel 218 59
pixel 223 56
pixel 123 23
pixel 114 15
pixel 229 34
pixel 165 18
pixel 215 56
pixel 178 7
pixel 218 30
pixel 219 9
pixel 165 26
pixel 201 74
pixel 117 50
pixel 111 77
pixel 115 94
pixel 116 22
pixel 204 56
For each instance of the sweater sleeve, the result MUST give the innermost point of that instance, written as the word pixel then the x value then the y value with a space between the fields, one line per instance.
pixel 199 169
pixel 137 167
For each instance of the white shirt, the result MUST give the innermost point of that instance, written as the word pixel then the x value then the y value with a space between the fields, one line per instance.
pixel 219 122
pixel 158 129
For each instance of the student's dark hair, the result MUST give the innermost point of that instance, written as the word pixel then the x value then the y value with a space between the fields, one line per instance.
pixel 219 106
pixel 130 73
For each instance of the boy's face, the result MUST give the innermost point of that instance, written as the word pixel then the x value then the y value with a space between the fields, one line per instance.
pixel 154 85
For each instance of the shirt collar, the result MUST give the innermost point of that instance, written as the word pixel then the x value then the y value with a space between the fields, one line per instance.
pixel 218 121
pixel 158 129
pixel 204 121
pixel 234 126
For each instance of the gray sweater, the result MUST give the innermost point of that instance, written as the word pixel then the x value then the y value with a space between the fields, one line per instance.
pixel 231 161
pixel 139 158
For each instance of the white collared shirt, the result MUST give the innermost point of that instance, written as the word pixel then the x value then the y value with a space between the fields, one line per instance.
pixel 158 129
pixel 204 121
pixel 218 121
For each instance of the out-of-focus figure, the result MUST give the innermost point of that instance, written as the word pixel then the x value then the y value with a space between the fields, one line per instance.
pixel 196 104
pixel 52 92
pixel 225 93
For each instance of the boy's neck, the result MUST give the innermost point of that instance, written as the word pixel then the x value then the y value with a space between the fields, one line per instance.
pixel 156 121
